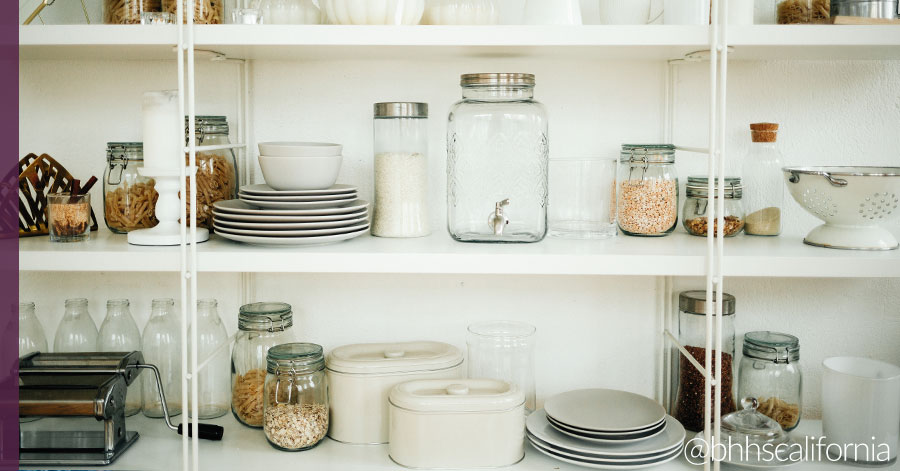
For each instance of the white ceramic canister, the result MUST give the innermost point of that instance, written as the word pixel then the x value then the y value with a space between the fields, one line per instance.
pixel 360 378
pixel 465 424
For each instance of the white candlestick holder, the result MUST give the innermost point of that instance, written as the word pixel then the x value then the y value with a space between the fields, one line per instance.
pixel 168 212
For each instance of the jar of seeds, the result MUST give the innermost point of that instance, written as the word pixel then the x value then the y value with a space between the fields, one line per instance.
pixel 647 190
pixel 295 410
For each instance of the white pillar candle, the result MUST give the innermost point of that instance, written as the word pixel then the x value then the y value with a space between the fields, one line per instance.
pixel 162 133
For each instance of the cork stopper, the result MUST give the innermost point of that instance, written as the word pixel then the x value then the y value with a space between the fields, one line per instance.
pixel 764 132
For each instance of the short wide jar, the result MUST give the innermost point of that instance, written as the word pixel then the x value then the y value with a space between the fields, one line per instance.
pixel 696 206
pixel 296 405
pixel 770 372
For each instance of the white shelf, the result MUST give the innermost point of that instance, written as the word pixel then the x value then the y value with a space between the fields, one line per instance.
pixel 677 255
pixel 326 42
pixel 244 448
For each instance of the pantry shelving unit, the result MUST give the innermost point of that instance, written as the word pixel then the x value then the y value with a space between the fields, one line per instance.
pixel 678 255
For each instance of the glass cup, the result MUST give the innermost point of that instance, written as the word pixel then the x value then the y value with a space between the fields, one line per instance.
pixel 503 350
pixel 69 217
pixel 582 198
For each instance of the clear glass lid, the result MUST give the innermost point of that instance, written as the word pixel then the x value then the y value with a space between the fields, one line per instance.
pixel 751 427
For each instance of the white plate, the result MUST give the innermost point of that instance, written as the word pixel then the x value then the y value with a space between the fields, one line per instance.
pixel 286 226
pixel 296 204
pixel 266 190
pixel 673 436
pixel 269 219
pixel 279 234
pixel 248 197
pixel 609 439
pixel 576 430
pixel 602 464
pixel 240 207
pixel 293 241
pixel 599 456
pixel 604 410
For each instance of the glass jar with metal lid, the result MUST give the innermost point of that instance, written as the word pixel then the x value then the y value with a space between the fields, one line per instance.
pixel 261 326
pixel 129 199
pixel 647 190
pixel 296 396
pixel 695 218
pixel 217 176
pixel 770 371
pixel 497 158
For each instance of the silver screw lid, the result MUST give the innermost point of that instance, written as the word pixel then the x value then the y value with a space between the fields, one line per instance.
pixel 398 109
pixel 694 302
pixel 497 79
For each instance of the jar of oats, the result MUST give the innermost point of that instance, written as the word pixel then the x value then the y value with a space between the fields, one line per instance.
pixel 295 410
pixel 647 186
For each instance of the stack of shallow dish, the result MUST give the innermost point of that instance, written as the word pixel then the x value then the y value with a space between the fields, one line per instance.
pixel 605 429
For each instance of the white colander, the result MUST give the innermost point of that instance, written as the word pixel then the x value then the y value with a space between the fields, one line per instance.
pixel 852 201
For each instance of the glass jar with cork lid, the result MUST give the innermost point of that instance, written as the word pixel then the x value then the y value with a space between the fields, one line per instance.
pixel 647 190
pixel 763 182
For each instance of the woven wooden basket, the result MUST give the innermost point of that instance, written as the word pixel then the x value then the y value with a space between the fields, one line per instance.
pixel 39 177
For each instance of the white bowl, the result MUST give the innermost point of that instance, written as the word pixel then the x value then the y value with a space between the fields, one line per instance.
pixel 310 173
pixel 300 149
pixel 374 12
pixel 852 201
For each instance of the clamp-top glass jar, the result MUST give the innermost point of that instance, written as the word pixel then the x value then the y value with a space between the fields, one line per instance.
pixel 217 176
pixel 770 371
pixel 695 206
pixel 296 405
pixel 261 326
pixel 497 158
pixel 129 199
pixel 647 190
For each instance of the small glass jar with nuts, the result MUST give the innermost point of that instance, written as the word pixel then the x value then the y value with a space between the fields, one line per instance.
pixel 295 410
pixel 696 206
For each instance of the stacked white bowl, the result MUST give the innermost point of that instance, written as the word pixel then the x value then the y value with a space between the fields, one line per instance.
pixel 293 166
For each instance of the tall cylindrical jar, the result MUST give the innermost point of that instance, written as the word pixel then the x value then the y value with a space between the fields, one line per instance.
pixel 690 388
pixel 261 326
pixel 762 175
pixel 77 331
pixel 401 170
pixel 647 190
pixel 504 350
pixel 497 160
pixel 129 198
pixel 296 397
pixel 770 372
pixel 161 342
pixel 217 177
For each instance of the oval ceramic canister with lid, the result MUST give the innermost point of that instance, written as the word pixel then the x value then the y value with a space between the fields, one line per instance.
pixel 361 376
pixel 467 423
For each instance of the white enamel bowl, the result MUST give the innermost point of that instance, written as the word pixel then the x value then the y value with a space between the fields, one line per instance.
pixel 853 202
pixel 300 149
pixel 310 173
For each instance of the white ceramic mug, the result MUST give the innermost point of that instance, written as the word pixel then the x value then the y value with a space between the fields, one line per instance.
pixel 552 12
pixel 625 12
pixel 686 12
pixel 861 406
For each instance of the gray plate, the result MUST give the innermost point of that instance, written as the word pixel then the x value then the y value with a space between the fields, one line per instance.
pixel 266 190
pixel 342 196
pixel 293 241
pixel 604 410
pixel 286 226
pixel 673 436
pixel 240 207
pixel 290 234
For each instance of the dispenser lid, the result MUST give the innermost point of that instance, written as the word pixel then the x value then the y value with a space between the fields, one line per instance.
pixel 457 395
pixel 386 358
pixel 751 426
pixel 694 302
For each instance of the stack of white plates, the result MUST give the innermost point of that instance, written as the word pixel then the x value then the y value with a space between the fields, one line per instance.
pixel 605 429
pixel 264 216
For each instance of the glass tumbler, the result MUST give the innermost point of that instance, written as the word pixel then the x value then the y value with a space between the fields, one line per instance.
pixel 582 198
pixel 503 350
pixel 69 217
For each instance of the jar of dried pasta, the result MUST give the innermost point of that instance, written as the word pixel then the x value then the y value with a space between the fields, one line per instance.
pixel 261 326
pixel 129 199
pixel 216 169
pixel 647 185
pixel 793 12
pixel 770 372
pixel 128 12
pixel 206 12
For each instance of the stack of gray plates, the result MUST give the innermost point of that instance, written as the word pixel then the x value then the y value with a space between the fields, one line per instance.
pixel 605 429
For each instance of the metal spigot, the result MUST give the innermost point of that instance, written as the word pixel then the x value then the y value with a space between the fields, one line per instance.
pixel 498 220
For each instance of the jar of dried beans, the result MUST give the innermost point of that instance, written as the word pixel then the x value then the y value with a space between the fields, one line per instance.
pixel 696 219
pixel 261 326
pixel 296 400
pixel 770 372
pixel 129 199
pixel 647 190
pixel 690 390
pixel 216 169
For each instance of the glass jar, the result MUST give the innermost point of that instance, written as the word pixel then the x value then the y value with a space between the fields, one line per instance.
pixel 76 331
pixel 119 333
pixel 401 170
pixel 695 219
pixel 129 199
pixel 217 176
pixel 790 12
pixel 127 12
pixel 497 158
pixel 296 392
pixel 648 190
pixel 162 347
pixel 762 172
pixel 31 333
pixel 261 326
pixel 690 389
pixel 461 12
pixel 503 350
pixel 770 372
pixel 206 12
pixel 290 12
pixel 213 381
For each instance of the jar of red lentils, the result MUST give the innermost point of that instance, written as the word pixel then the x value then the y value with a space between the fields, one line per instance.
pixel 647 190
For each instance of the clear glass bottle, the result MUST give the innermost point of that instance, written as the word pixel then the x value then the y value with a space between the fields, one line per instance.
pixel 696 204
pixel 296 392
pixel 31 333
pixel 770 372
pixel 162 347
pixel 503 350
pixel 129 199
pixel 119 333
pixel 497 158
pixel 647 196
pixel 690 389
pixel 217 177
pixel 213 381
pixel 261 326
pixel 77 331
pixel 764 180
pixel 401 170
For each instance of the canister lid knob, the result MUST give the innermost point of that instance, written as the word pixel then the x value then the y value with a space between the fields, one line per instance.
pixel 457 390
pixel 394 353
